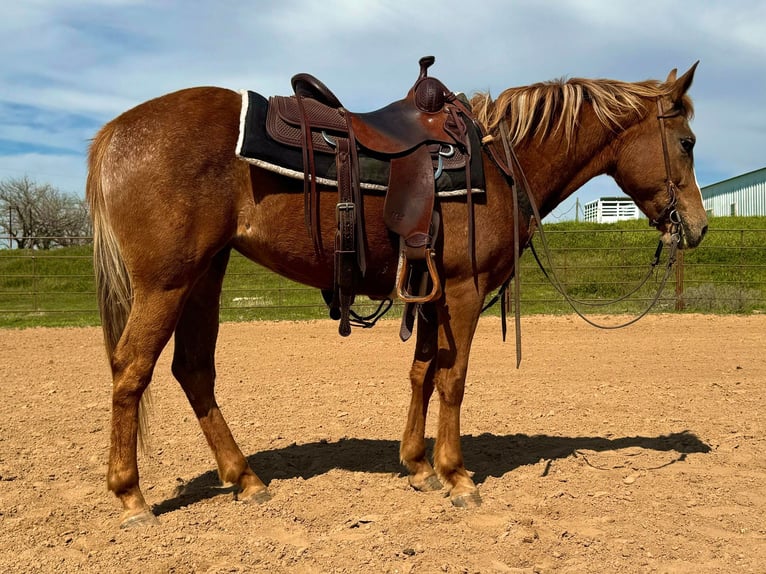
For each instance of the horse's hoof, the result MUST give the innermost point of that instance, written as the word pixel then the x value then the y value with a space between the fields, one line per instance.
pixel 468 500
pixel 431 483
pixel 143 518
pixel 257 497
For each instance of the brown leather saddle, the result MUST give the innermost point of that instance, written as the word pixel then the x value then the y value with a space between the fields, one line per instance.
pixel 407 133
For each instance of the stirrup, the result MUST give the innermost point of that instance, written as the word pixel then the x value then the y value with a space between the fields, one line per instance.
pixel 403 276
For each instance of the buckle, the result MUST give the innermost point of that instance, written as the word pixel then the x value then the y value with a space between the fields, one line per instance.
pixel 345 206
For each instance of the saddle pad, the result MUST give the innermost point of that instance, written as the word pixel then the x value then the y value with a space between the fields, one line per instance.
pixel 255 145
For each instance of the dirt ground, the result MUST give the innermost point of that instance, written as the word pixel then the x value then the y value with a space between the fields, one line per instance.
pixel 637 450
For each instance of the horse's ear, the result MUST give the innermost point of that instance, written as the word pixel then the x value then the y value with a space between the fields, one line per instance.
pixel 672 76
pixel 682 84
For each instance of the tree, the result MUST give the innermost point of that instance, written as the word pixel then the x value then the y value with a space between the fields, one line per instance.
pixel 39 216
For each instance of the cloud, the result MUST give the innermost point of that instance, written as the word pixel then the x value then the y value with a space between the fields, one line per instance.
pixel 69 66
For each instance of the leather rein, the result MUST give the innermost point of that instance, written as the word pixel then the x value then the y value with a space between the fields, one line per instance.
pixel 512 168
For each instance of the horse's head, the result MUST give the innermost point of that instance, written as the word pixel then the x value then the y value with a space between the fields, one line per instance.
pixel 654 163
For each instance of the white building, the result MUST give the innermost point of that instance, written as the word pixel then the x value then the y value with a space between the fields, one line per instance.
pixel 741 195
pixel 611 209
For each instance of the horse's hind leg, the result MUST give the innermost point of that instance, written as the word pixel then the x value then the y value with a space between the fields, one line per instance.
pixel 194 367
pixel 412 451
pixel 148 329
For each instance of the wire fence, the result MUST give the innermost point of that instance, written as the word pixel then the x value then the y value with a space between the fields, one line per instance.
pixel 726 274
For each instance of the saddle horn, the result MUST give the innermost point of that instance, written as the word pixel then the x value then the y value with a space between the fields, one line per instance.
pixel 425 63
pixel 429 94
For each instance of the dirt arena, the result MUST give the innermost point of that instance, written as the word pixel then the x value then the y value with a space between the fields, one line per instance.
pixel 637 450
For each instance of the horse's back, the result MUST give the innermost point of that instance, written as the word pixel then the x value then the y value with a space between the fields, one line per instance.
pixel 168 167
pixel 172 138
pixel 182 121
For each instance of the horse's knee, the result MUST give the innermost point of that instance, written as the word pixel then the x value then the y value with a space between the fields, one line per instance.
pixel 451 392
pixel 418 373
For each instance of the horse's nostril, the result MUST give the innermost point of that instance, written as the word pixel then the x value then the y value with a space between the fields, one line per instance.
pixel 703 232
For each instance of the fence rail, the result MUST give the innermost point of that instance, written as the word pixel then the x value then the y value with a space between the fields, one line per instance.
pixel 726 274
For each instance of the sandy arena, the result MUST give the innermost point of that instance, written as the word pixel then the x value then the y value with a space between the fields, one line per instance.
pixel 637 450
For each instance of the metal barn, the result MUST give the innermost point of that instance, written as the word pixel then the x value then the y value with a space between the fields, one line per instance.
pixel 741 195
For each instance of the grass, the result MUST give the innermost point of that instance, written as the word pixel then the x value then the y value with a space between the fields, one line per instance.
pixel 594 261
pixel 47 287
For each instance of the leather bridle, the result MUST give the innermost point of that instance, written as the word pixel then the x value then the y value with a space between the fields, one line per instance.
pixel 669 212
pixel 513 170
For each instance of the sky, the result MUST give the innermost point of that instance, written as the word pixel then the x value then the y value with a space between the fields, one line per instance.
pixel 67 67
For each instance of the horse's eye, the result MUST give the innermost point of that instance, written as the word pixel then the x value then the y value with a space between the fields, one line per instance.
pixel 687 144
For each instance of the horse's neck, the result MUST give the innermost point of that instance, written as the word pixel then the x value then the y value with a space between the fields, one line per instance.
pixel 555 168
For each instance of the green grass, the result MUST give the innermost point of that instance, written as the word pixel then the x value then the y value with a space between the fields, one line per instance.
pixel 47 287
pixel 727 273
pixel 596 262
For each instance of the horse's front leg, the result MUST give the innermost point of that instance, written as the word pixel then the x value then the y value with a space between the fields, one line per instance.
pixel 458 317
pixel 413 448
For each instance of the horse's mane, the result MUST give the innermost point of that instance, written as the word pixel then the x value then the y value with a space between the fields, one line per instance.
pixel 544 108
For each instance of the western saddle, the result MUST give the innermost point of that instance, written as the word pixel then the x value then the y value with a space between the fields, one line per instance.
pixel 407 133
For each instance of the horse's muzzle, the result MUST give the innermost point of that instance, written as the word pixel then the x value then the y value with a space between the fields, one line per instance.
pixel 690 235
pixel 692 238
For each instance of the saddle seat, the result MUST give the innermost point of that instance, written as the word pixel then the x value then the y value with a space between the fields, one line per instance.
pixel 397 127
pixel 404 133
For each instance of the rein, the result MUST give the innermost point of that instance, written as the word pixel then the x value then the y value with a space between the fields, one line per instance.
pixel 512 167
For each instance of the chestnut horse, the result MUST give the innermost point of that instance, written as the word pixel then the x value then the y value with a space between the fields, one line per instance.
pixel 170 200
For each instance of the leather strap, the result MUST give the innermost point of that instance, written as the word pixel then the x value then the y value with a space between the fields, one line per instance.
pixel 310 200
pixel 669 183
pixel 516 246
pixel 356 195
pixel 345 261
pixel 457 128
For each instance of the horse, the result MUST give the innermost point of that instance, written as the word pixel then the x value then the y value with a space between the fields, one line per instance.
pixel 170 200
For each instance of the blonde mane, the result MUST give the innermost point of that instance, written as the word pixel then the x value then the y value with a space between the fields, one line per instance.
pixel 544 108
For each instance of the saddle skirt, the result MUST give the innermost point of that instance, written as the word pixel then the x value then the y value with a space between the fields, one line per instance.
pixel 270 138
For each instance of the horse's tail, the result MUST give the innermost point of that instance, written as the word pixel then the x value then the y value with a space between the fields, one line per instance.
pixel 112 281
pixel 113 287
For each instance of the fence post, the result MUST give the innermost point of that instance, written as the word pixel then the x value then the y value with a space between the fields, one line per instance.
pixel 680 280
pixel 10 227
pixel 34 284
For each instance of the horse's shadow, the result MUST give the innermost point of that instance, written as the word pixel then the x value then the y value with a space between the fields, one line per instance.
pixel 486 455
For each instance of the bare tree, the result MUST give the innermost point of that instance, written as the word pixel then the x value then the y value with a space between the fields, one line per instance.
pixel 39 216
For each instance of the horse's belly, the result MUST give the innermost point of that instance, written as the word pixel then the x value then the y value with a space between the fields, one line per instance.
pixel 272 231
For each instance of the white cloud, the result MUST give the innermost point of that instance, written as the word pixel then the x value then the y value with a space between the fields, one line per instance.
pixel 94 59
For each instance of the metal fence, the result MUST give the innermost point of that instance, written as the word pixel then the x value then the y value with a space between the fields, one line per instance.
pixel 726 274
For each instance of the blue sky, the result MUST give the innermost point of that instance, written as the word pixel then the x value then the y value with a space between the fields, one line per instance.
pixel 67 67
